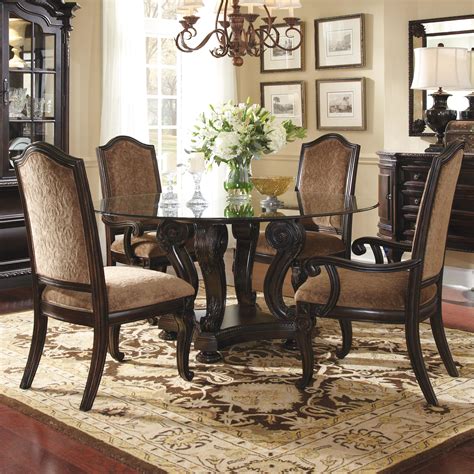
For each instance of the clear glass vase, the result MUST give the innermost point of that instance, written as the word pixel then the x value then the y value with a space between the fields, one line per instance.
pixel 238 184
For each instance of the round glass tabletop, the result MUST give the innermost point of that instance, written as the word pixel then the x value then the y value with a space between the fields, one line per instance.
pixel 297 205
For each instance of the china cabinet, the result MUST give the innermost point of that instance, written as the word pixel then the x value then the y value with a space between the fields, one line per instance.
pixel 34 60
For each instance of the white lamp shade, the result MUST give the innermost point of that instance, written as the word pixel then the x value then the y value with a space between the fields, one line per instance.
pixel 441 67
pixel 252 3
pixel 288 4
pixel 188 7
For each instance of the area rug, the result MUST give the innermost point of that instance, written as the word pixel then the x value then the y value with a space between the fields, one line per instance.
pixel 362 414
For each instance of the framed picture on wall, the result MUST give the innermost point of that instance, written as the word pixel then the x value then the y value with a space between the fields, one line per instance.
pixel 277 59
pixel 286 100
pixel 339 42
pixel 340 104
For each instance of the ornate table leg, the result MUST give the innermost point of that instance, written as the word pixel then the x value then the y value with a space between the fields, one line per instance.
pixel 173 236
pixel 210 245
pixel 246 235
pixel 287 238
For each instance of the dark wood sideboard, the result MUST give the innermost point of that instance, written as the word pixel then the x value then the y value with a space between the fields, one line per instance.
pixel 402 178
pixel 34 104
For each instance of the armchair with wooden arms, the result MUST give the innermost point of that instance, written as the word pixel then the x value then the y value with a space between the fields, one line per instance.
pixel 405 292
pixel 70 282
pixel 328 164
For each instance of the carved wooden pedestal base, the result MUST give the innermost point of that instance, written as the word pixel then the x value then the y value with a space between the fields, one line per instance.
pixel 220 326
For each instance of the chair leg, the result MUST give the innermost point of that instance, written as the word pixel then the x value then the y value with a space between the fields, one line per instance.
pixel 99 353
pixel 304 336
pixel 114 343
pixel 439 335
pixel 185 323
pixel 346 330
pixel 412 335
pixel 36 350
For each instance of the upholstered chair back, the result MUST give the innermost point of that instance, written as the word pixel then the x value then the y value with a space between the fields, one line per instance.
pixel 128 166
pixel 435 210
pixel 59 215
pixel 328 165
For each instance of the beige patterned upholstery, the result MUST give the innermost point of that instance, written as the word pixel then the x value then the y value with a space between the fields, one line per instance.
pixel 127 288
pixel 316 244
pixel 324 169
pixel 130 169
pixel 362 290
pixel 439 218
pixel 54 214
pixel 144 246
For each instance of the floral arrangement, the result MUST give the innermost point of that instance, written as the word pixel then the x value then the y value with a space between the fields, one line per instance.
pixel 236 133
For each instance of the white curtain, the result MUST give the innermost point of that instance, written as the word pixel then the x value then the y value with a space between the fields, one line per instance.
pixel 124 102
pixel 206 80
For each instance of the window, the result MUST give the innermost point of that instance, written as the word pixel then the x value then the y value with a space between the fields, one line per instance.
pixel 163 70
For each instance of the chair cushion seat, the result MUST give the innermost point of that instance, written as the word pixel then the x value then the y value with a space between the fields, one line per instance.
pixel 145 246
pixel 383 291
pixel 316 244
pixel 127 288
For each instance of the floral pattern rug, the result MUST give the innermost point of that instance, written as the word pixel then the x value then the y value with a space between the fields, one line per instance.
pixel 362 414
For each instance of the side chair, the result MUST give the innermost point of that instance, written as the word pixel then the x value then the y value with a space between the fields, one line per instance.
pixel 406 292
pixel 70 282
pixel 328 164
pixel 129 167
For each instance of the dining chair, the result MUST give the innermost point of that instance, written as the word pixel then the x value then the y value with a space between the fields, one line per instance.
pixel 70 282
pixel 406 292
pixel 329 165
pixel 129 167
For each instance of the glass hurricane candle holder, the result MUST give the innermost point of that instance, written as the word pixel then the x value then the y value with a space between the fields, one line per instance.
pixel 196 169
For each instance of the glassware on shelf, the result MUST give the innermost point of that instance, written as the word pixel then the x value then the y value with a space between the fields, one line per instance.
pixel 38 107
pixel 169 196
pixel 17 102
pixel 196 168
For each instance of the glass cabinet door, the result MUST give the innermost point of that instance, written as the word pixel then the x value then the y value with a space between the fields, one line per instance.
pixel 32 85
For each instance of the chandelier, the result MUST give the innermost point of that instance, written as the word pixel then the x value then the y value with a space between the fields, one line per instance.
pixel 236 33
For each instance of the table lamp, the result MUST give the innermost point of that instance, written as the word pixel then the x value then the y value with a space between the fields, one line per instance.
pixel 468 114
pixel 438 68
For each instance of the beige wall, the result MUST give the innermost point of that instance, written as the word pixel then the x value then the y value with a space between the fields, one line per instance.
pixel 386 71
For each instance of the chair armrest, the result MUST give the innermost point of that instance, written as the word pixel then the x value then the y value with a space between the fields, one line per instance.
pixel 129 228
pixel 313 265
pixel 376 244
pixel 313 268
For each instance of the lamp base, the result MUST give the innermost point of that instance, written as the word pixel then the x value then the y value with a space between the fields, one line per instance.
pixel 468 114
pixel 434 148
pixel 439 116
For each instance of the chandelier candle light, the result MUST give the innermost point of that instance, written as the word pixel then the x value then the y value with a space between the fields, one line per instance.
pixel 236 33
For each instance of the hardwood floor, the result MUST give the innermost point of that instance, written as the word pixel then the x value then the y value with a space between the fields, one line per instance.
pixel 29 446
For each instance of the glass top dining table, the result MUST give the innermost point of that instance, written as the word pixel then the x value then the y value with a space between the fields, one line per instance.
pixel 221 325
pixel 297 205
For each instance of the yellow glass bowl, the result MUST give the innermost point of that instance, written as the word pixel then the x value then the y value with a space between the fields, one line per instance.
pixel 272 185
